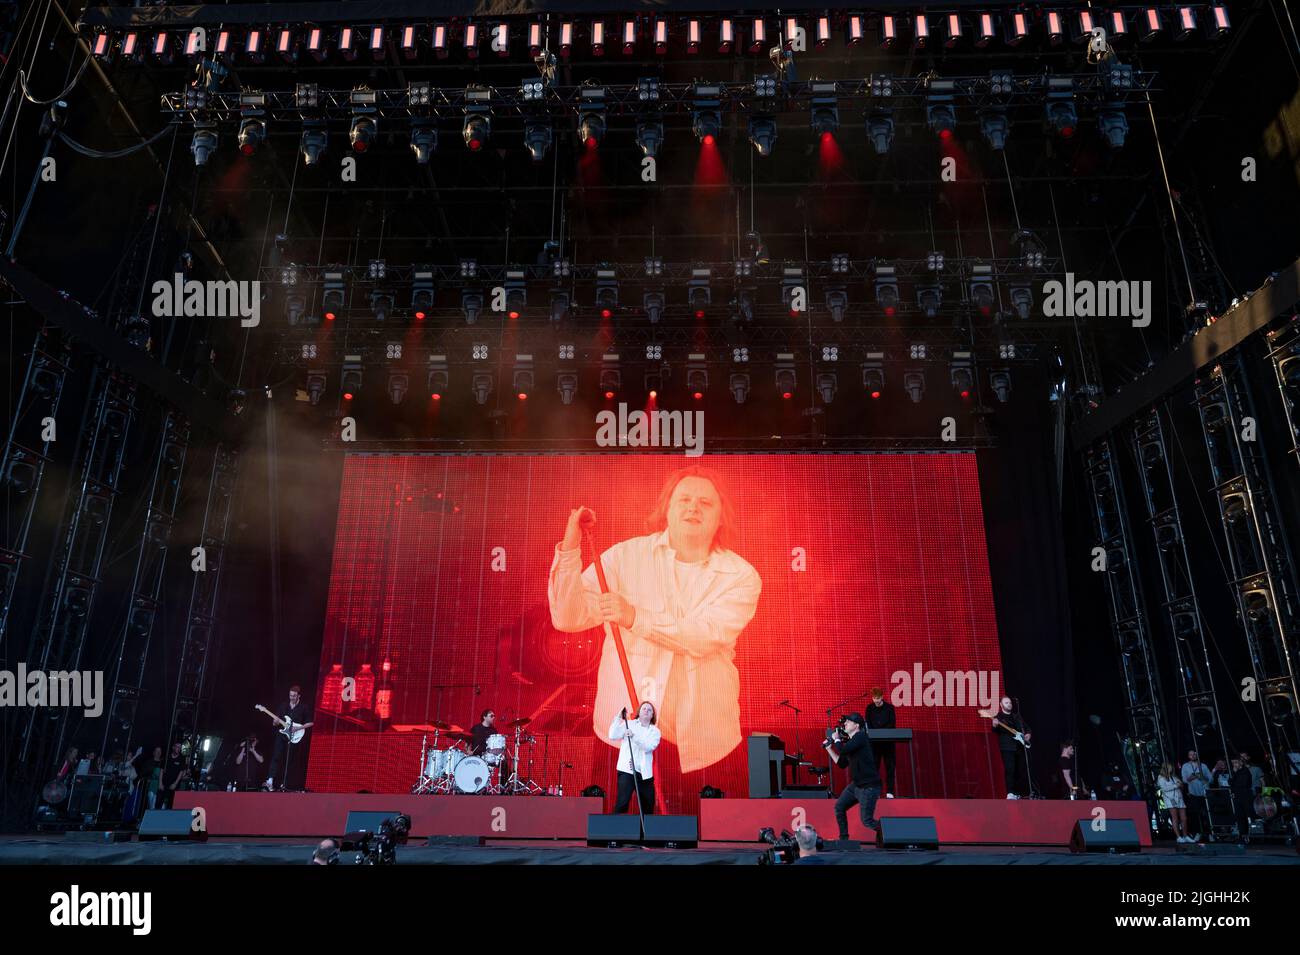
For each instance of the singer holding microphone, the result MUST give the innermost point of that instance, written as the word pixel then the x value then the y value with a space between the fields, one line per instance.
pixel 637 742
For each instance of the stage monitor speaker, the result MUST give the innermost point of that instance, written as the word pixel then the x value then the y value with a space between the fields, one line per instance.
pixel 907 832
pixel 170 824
pixel 1120 835
pixel 362 820
pixel 672 832
pixel 87 793
pixel 605 830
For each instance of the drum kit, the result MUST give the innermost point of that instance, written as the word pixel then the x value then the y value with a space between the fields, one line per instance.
pixel 450 768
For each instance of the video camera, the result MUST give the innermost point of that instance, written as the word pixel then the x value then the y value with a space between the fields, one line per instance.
pixel 380 848
pixel 783 850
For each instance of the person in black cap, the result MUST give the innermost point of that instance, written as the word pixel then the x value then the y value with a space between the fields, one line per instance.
pixel 851 749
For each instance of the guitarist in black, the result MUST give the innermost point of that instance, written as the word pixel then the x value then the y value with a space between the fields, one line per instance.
pixel 298 716
pixel 1013 744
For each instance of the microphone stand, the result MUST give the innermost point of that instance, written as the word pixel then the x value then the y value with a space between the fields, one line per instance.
pixel 798 756
pixel 636 777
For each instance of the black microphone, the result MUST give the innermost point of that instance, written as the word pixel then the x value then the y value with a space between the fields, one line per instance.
pixel 623 715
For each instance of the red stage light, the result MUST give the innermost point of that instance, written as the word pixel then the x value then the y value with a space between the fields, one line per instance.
pixel 435 396
pixel 654 395
pixel 514 314
pixel 945 134
pixel 889 310
pixel 329 316
pixel 347 396
pixel 708 140
pixel 828 137
pixel 964 394
pixel 699 313
pixel 699 395
pixel 606 313
pixel 247 149
pixel 475 145
pixel 592 142
pixel 523 396
pixel 787 395
pixel 875 394
pixel 598 38
pixel 420 315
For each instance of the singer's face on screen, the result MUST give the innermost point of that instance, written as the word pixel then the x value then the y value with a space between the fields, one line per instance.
pixel 694 512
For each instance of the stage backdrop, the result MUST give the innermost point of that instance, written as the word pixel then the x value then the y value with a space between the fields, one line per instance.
pixel 869 565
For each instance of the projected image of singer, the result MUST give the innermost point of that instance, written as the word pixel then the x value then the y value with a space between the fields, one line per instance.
pixel 681 597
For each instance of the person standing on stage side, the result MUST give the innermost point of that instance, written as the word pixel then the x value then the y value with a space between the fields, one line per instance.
pixel 854 753
pixel 299 715
pixel 1067 787
pixel 1015 767
pixel 637 740
pixel 1242 785
pixel 880 716
pixel 479 734
pixel 681 598
pixel 1171 788
pixel 1196 777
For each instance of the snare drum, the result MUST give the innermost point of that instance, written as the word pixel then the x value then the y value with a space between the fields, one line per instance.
pixel 495 749
pixel 451 758
pixel 471 774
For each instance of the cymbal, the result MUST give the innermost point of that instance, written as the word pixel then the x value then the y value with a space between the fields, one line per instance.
pixel 439 725
pixel 522 721
pixel 458 736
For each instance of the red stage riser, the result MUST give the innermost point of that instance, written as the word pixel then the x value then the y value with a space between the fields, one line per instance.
pixel 324 814
pixel 1018 822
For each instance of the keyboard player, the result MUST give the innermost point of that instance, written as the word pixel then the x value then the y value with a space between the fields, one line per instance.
pixel 880 716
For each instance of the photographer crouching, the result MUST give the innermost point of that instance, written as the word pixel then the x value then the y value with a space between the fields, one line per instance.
pixel 849 747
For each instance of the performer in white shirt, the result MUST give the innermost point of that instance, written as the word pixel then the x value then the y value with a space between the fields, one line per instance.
pixel 637 740
pixel 681 597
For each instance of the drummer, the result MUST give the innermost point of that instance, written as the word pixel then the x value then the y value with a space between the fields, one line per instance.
pixel 479 735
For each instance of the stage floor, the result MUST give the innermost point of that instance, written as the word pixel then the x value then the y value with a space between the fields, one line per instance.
pixel 56 851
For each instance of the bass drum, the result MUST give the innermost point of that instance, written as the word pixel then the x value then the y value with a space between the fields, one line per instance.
pixel 471 775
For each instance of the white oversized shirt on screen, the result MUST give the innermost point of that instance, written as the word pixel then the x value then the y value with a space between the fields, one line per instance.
pixel 697 615
pixel 644 739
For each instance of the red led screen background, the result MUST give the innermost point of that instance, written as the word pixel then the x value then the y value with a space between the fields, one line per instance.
pixel 438 609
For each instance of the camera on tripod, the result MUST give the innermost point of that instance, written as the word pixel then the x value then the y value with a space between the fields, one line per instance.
pixel 783 850
pixel 380 848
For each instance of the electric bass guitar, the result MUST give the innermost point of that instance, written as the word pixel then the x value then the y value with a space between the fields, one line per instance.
pixel 288 728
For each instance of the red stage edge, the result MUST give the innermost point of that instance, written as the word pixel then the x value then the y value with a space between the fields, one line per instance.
pixel 989 822
pixel 1005 822
pixel 324 814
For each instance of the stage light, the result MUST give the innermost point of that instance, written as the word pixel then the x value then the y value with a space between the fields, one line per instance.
pixel 332 299
pixel 1113 125
pixel 522 382
pixel 824 108
pixel 351 382
pixel 471 39
pixel 102 48
pixel 1151 23
pixel 888 30
pixel 985 30
pixel 739 386
pixel 1000 382
pixel 785 377
pixel 726 35
pixel 1186 22
pixel 762 134
pixel 873 375
pixel 439 41
pixel 914 385
pixel 316 382
pixel 306 96
pixel 193 45
pixel 285 45
pixel 1086 23
pixel 653 303
pixel 591 116
pixel 650 136
pixel 566 383
pixel 381 305
pixel 1062 116
pixel 697 375
pixel 994 127
pixel 826 382
pixel 421 293
pixel 316 45
pixel 538 138
pixel 1218 23
pixel 536 39
pixel 471 305
pixel 377 49
pixel 253 48
pixel 131 45
pixel 699 294
pixel 481 386
pixel 837 303
pixel 693 35
pixel 1022 300
pixel 934 261
pixel 314 141
pixel 566 38
pixel 1118 25
pixel 880 129
pixel 611 379
pixel 962 375
pixel 940 113
pixel 1054 27
pixel 920 31
pixel 887 289
pixel 533 89
pixel 363 133
pixel 981 288
pixel 1017 28
pixel 1118 76
pixel 398 382
pixel 560 305
pixel 252 133
pixel 954 30
pixel 917 351
pixel 706 118
pixel 424 140
pixel 476 130
pixel 347 43
pixel 757 35
pixel 629 37
pixel 654 380
pixel 204 143
pixel 928 299
pixel 598 38
pixel 661 36
pixel 823 31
